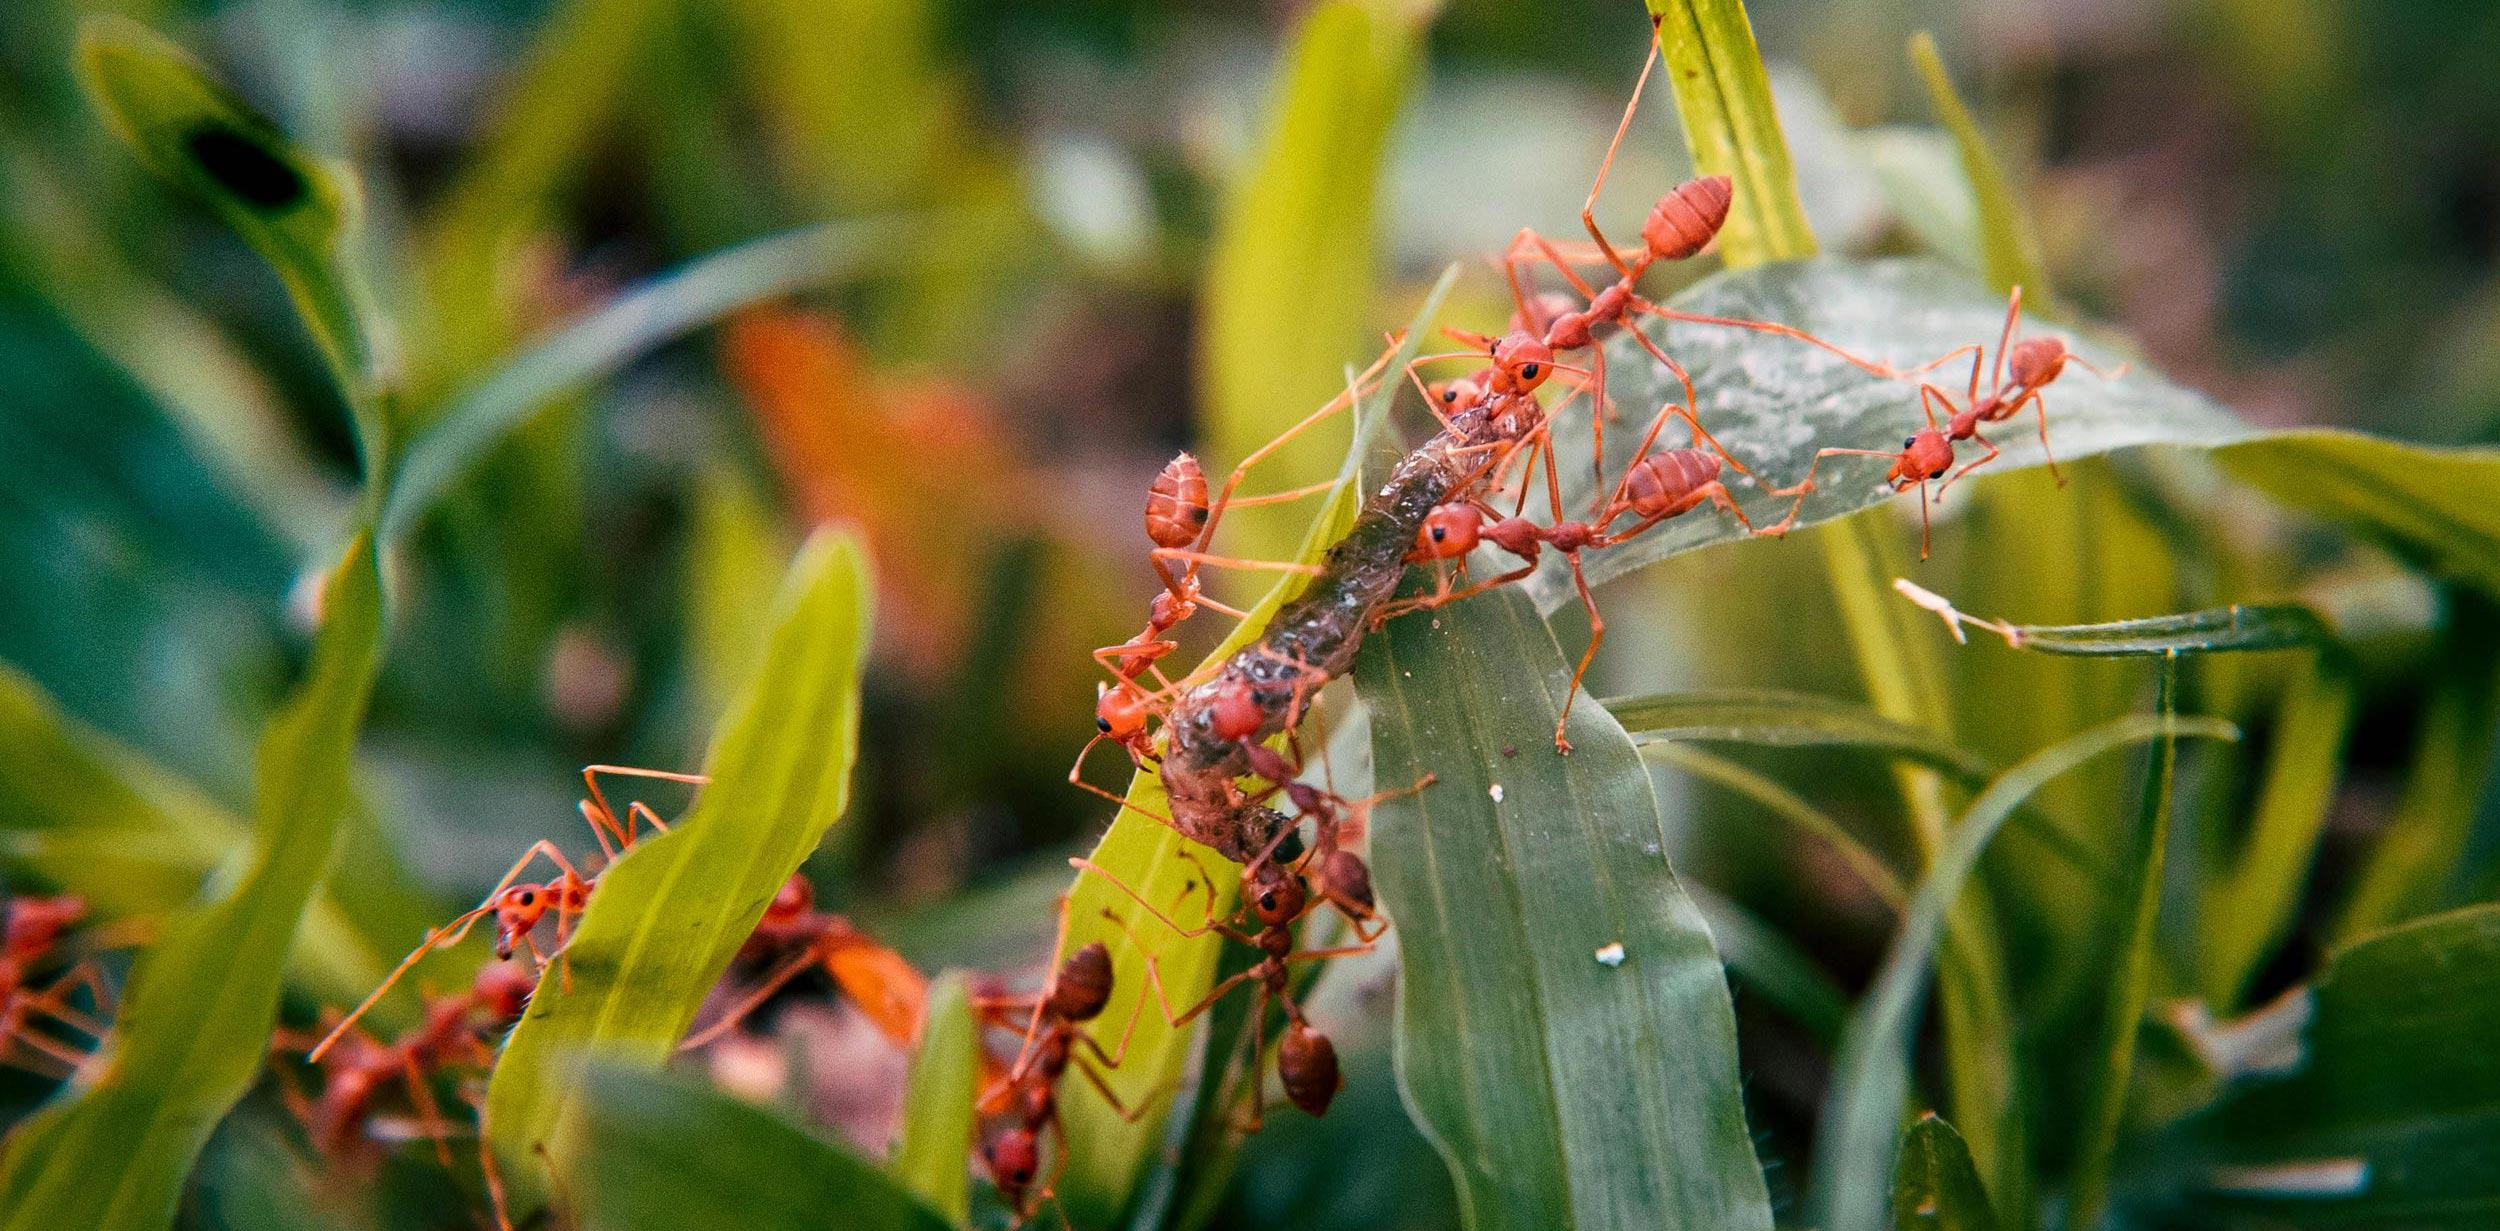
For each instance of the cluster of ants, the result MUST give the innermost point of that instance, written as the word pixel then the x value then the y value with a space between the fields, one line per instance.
pixel 1216 751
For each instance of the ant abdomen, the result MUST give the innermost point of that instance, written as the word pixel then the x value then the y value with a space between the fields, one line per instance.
pixel 1670 481
pixel 1083 986
pixel 1307 1064
pixel 1686 219
pixel 1176 503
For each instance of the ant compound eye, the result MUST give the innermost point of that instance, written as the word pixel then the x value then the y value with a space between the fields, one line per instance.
pixel 1103 725
pixel 527 898
pixel 1909 442
pixel 1529 371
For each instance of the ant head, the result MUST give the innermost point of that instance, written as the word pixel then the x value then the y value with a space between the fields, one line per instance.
pixel 1448 532
pixel 34 923
pixel 504 988
pixel 1276 895
pixel 517 910
pixel 1452 397
pixel 1924 455
pixel 1083 985
pixel 1121 711
pixel 1521 362
pixel 1014 1158
pixel 1235 711
pixel 1306 1063
pixel 1176 503
pixel 2037 361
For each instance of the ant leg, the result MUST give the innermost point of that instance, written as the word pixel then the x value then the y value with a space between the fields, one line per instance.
pixel 1321 955
pixel 2039 403
pixel 1597 637
pixel 46 1046
pixel 641 811
pixel 590 779
pixel 1926 527
pixel 1869 366
pixel 1430 602
pixel 1102 1086
pixel 429 1113
pixel 1264 566
pixel 1806 486
pixel 790 968
pixel 1335 405
pixel 1588 208
pixel 1982 460
pixel 1082 864
pixel 1163 995
pixel 2005 340
pixel 1286 496
pixel 603 826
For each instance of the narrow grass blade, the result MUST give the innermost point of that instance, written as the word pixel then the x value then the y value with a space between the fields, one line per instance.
pixel 1564 1032
pixel 2234 629
pixel 2431 506
pixel 1289 281
pixel 1767 964
pixel 2252 903
pixel 1934 1186
pixel 2009 252
pixel 657 1154
pixel 932 1159
pixel 1107 1154
pixel 296 212
pixel 2411 869
pixel 2130 984
pixel 1723 96
pixel 195 1025
pixel 1871 1075
pixel 597 345
pixel 1773 719
pixel 668 916
pixel 1790 807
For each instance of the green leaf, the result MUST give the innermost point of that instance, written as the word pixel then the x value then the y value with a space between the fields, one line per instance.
pixel 2430 506
pixel 931 1160
pixel 1772 967
pixel 1723 97
pixel 1871 1075
pixel 597 345
pixel 2251 905
pixel 1789 806
pixel 657 1154
pixel 93 817
pixel 293 210
pixel 1561 1090
pixel 1107 1154
pixel 2233 629
pixel 2131 979
pixel 2390 1117
pixel 668 916
pixel 1775 719
pixel 2412 867
pixel 1289 281
pixel 2010 254
pixel 1934 1186
pixel 195 1025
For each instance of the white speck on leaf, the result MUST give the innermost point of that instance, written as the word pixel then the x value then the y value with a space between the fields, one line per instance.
pixel 1610 955
pixel 1496 792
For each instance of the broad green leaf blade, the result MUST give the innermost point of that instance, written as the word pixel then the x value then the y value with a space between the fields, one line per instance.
pixel 667 918
pixel 1106 1153
pixel 1562 1090
pixel 296 212
pixel 1289 281
pixel 597 345
pixel 2131 978
pixel 2252 903
pixel 1723 97
pixel 657 1154
pixel 2391 1115
pixel 2009 252
pixel 1775 719
pixel 95 818
pixel 1934 1186
pixel 1871 1075
pixel 195 1025
pixel 2431 506
pixel 933 1159
pixel 1774 401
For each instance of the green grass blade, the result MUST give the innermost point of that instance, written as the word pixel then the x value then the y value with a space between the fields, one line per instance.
pixel 667 917
pixel 597 345
pixel 1107 1154
pixel 1289 281
pixel 930 1160
pixel 2233 629
pixel 1871 1075
pixel 2412 866
pixel 2008 251
pixel 1773 968
pixel 1723 97
pixel 1934 1186
pixel 1774 719
pixel 657 1154
pixel 2131 983
pixel 2431 506
pixel 195 1025
pixel 2251 905
pixel 296 212
pixel 1788 806
pixel 1559 1089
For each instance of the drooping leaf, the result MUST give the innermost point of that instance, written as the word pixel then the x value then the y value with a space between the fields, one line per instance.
pixel 1871 1075
pixel 1106 1152
pixel 1774 719
pixel 1564 1033
pixel 1934 1187
pixel 598 344
pixel 1289 280
pixel 932 1161
pixel 195 1024
pixel 633 1169
pixel 666 919
pixel 1723 97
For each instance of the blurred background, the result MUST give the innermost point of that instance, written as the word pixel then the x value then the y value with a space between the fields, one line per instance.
pixel 2292 205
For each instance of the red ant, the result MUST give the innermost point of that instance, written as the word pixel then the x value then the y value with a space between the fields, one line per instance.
pixel 1925 455
pixel 1657 487
pixel 518 906
pixel 2034 362
pixel 32 933
pixel 1028 1093
pixel 453 1033
pixel 889 991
